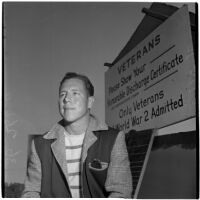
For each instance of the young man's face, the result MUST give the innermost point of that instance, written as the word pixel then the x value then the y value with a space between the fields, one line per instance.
pixel 74 102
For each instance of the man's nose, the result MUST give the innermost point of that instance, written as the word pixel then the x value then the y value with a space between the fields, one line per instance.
pixel 67 97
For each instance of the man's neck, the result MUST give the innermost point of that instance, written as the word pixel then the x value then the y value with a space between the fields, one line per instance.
pixel 78 127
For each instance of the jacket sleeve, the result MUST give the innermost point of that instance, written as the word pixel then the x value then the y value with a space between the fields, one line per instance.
pixel 33 178
pixel 119 178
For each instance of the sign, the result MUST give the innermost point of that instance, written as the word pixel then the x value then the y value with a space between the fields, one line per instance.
pixel 154 84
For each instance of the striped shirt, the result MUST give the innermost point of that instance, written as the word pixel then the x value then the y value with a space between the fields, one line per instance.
pixel 73 148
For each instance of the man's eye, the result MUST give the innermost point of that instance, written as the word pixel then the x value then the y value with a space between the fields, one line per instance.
pixel 62 94
pixel 75 93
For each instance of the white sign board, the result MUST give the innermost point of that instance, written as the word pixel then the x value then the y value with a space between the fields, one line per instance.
pixel 154 84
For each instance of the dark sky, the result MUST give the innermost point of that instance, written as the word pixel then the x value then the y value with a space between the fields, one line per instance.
pixel 42 42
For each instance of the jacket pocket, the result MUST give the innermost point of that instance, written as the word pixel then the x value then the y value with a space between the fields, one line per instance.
pixel 98 165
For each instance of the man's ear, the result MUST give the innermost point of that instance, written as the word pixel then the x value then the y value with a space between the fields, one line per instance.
pixel 90 101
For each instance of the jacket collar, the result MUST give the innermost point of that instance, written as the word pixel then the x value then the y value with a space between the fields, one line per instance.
pixel 57 129
pixel 90 137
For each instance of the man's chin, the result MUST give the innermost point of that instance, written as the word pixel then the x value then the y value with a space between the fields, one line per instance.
pixel 68 120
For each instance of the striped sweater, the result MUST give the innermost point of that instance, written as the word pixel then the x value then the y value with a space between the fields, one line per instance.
pixel 73 148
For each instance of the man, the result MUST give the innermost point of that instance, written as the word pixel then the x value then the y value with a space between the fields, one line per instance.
pixel 79 156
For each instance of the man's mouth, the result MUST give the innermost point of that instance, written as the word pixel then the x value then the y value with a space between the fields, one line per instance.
pixel 68 108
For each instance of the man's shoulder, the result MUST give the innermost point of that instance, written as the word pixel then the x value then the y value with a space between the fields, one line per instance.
pixel 109 130
pixel 42 145
pixel 110 133
pixel 40 138
pixel 113 130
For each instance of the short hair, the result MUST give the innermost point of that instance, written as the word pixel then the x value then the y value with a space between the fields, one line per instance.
pixel 88 85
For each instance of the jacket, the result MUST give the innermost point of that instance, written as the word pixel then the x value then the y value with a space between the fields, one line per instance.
pixel 118 181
